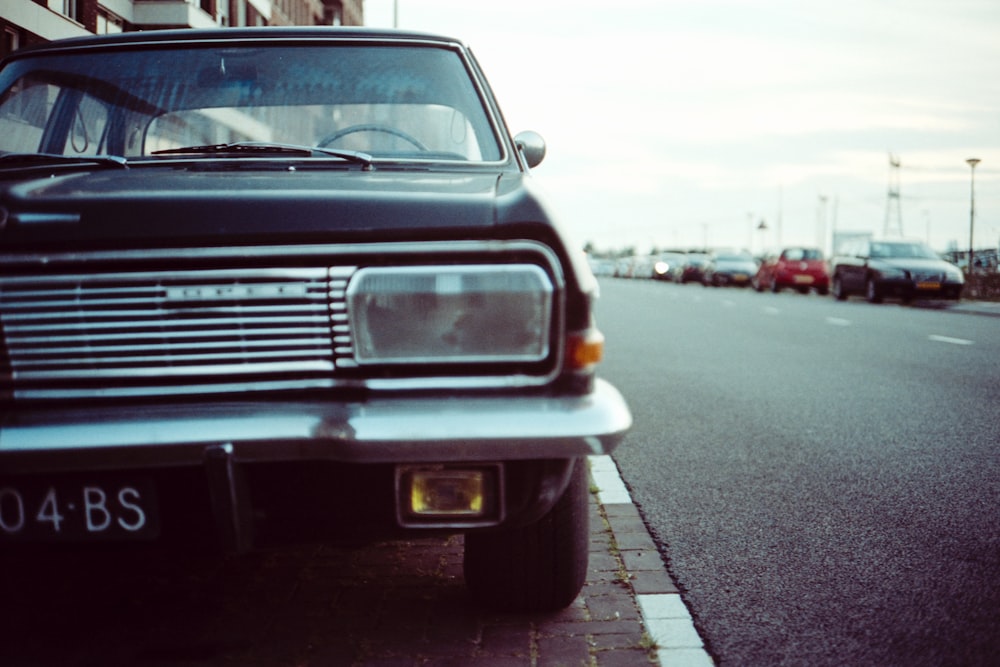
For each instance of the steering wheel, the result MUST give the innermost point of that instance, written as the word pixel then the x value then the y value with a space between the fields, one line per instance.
pixel 354 129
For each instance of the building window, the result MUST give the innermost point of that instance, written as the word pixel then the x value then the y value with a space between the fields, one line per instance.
pixel 11 41
pixel 108 24
pixel 71 8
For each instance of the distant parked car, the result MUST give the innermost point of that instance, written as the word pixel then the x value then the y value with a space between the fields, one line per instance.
pixel 895 268
pixel 797 267
pixel 643 266
pixel 694 267
pixel 602 266
pixel 669 266
pixel 723 269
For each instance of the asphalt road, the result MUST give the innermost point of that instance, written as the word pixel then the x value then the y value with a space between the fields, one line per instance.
pixel 823 478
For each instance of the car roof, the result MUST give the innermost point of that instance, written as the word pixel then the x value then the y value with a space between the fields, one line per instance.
pixel 284 33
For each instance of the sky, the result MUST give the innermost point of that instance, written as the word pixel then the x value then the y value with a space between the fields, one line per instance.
pixel 746 123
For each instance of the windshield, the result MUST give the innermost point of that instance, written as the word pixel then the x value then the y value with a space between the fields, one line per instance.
pixel 903 251
pixel 802 254
pixel 393 102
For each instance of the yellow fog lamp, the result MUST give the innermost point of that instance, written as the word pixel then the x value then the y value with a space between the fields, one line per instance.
pixel 440 495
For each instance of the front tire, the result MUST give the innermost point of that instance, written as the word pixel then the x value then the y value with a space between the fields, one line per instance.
pixel 872 292
pixel 839 293
pixel 538 567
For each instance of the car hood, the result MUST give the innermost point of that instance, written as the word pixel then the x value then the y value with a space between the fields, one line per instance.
pixel 915 264
pixel 164 205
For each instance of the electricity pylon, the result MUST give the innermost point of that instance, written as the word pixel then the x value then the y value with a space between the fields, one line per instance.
pixel 893 211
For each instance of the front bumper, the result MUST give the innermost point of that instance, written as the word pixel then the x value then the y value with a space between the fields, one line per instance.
pixel 800 279
pixel 378 430
pixel 732 278
pixel 244 473
pixel 909 289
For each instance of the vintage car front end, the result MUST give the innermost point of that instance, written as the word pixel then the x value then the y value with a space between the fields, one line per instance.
pixel 240 343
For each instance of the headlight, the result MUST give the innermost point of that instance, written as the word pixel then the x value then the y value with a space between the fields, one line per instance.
pixel 435 314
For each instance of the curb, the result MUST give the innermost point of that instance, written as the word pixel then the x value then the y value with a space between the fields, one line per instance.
pixel 986 308
pixel 664 614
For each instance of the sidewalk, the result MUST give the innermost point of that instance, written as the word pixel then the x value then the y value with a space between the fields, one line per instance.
pixel 407 604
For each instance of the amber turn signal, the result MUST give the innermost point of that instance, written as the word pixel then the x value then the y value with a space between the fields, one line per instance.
pixel 584 349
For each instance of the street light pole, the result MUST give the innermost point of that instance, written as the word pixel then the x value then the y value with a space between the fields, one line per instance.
pixel 972 162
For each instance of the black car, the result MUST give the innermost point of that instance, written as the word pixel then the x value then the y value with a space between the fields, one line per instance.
pixel 903 269
pixel 290 284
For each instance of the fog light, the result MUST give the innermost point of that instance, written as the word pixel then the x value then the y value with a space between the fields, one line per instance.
pixel 446 492
pixel 448 496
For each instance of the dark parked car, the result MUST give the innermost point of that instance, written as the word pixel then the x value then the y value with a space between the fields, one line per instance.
pixel 729 269
pixel 799 268
pixel 693 269
pixel 273 285
pixel 894 268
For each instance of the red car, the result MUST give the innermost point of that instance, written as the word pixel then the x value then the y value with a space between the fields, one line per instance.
pixel 800 268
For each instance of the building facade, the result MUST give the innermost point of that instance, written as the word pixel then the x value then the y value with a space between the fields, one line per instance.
pixel 26 22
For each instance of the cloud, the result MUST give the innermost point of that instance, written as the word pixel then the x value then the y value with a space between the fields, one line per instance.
pixel 658 111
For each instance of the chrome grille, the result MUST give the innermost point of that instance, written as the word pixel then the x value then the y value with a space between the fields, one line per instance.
pixel 128 333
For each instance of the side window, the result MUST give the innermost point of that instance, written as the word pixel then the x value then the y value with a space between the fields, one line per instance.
pixel 31 109
pixel 24 113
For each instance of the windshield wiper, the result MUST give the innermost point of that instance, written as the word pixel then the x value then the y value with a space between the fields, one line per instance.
pixel 8 160
pixel 266 148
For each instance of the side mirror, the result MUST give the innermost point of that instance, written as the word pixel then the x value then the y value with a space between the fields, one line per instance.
pixel 532 147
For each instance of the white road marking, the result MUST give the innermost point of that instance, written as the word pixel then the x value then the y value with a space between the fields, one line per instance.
pixel 838 321
pixel 771 310
pixel 949 339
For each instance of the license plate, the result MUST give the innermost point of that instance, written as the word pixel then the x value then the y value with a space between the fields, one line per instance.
pixel 803 279
pixel 928 285
pixel 78 511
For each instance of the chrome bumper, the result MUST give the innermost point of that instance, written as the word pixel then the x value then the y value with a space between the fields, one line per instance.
pixel 378 430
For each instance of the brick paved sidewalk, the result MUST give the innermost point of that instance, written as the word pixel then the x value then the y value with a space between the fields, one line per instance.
pixel 410 608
